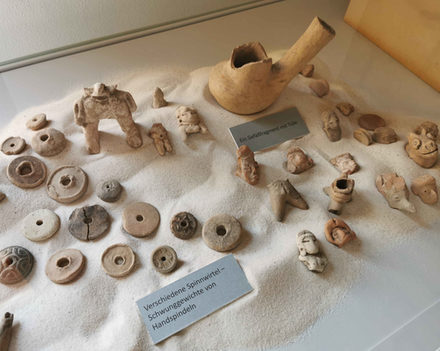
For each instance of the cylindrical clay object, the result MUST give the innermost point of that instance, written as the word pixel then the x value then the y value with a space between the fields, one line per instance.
pixel 5 331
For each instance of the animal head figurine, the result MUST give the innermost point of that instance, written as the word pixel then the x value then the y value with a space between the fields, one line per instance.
pixel 247 167
pixel 298 161
pixel 422 150
pixel 429 129
pixel 187 116
pixel 330 125
pixel 337 232
pixel 425 187
pixel 394 189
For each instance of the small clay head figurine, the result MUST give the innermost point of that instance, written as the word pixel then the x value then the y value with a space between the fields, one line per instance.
pixel 394 189
pixel 298 161
pixel 338 233
pixel 422 150
pixel 189 122
pixel 426 188
pixel 345 163
pixel 330 125
pixel 247 167
pixel 309 254
pixel 429 129
pixel 160 138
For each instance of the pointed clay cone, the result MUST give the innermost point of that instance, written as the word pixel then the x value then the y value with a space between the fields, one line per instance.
pixel 282 192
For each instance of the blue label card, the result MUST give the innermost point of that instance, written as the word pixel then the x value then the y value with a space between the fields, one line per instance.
pixel 187 300
pixel 269 131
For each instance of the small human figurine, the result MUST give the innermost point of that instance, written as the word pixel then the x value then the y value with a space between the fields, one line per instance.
pixel 105 101
pixel 5 331
pixel 189 122
pixel 394 189
pixel 298 161
pixel 337 232
pixel 422 150
pixel 160 138
pixel 158 99
pixel 425 187
pixel 247 167
pixel 330 125
pixel 340 192
pixel 430 129
pixel 308 247
pixel 345 163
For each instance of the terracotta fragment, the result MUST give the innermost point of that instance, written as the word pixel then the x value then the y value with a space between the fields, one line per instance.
pixel 308 70
pixel 340 193
pixel 105 101
pixel 15 264
pixel 345 163
pixel 67 184
pixel 89 222
pixel 183 225
pixel 422 150
pixel 164 259
pixel 6 331
pixel 394 189
pixel 118 260
pixel 160 138
pixel 320 87
pixel 281 193
pixel 65 266
pixel 158 99
pixel 109 190
pixel 345 108
pixel 363 136
pixel 298 161
pixel 425 187
pixel 308 247
pixel 371 121
pixel 430 129
pixel 247 167
pixel 140 219
pixel 2 196
pixel 338 233
pixel 27 172
pixel 189 122
pixel 222 232
pixel 48 142
pixel 37 122
pixel 330 125
pixel 41 225
pixel 13 146
pixel 384 135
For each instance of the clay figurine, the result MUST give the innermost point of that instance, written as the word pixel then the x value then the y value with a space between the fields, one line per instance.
pixel 425 187
pixel 249 82
pixel 345 163
pixel 422 150
pixel 363 136
pixel 330 125
pixel 308 70
pixel 430 129
pixel 6 331
pixel 247 167
pixel 394 189
pixel 345 108
pixel 384 135
pixel 160 138
pixel 158 99
pixel 282 192
pixel 340 192
pixel 337 232
pixel 308 247
pixel 189 122
pixel 298 161
pixel 105 101
pixel 320 87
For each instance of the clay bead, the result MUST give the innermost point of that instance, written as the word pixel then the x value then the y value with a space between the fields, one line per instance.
pixel 345 108
pixel 222 232
pixel 309 254
pixel 158 99
pixel 27 172
pixel 164 259
pixel 282 192
pixel 118 260
pixel 48 142
pixel 429 129
pixel 340 192
pixel 338 233
pixel 394 189
pixel 298 161
pixel 6 331
pixel 425 187
pixel 160 138
pixel 308 70
pixel 422 150
pixel 109 190
pixel 65 266
pixel 320 87
pixel 330 125
pixel 13 146
pixel 247 167
pixel 140 219
pixel 37 122
pixel 183 225
pixel 89 222
pixel 15 264
pixel 371 121
pixel 345 163
pixel 384 135
pixel 189 122
pixel 363 136
pixel 41 225
pixel 67 184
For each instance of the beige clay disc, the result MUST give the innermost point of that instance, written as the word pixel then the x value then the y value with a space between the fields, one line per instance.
pixel 118 260
pixel 65 266
pixel 164 259
pixel 222 232
pixel 27 172
pixel 140 219
pixel 67 184
pixel 13 146
pixel 37 122
pixel 48 142
pixel 41 225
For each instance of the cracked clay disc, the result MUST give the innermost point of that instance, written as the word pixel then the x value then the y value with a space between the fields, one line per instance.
pixel 89 222
pixel 67 184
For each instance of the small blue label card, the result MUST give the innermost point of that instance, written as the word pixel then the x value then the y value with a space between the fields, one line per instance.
pixel 187 300
pixel 270 130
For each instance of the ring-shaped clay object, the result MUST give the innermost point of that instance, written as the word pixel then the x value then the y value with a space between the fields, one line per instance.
pixel 109 191
pixel 40 225
pixel 140 219
pixel 183 225
pixel 67 184
pixel 48 142
pixel 27 172
pixel 222 232
pixel 118 260
pixel 164 259
pixel 89 222
pixel 65 266
pixel 15 264
pixel 37 122
pixel 13 146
